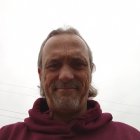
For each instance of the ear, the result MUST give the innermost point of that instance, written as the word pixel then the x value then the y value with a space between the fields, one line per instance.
pixel 93 67
pixel 40 73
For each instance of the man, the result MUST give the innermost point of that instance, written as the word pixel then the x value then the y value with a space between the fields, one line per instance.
pixel 65 111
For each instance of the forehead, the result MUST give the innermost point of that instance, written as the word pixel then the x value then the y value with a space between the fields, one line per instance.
pixel 65 44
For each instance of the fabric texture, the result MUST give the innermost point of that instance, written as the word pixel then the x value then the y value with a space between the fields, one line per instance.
pixel 92 125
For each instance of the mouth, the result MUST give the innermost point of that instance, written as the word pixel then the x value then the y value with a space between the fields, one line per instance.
pixel 69 86
pixel 66 89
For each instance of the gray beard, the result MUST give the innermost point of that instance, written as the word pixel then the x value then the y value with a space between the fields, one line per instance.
pixel 66 104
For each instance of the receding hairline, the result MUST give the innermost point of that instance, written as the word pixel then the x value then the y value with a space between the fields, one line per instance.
pixel 77 40
pixel 62 31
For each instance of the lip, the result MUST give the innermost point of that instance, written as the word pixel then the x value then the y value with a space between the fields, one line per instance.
pixel 66 89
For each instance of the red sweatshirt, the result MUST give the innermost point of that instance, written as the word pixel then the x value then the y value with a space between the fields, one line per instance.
pixel 93 125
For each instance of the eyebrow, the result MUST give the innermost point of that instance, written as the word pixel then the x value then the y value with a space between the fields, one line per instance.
pixel 79 58
pixel 53 60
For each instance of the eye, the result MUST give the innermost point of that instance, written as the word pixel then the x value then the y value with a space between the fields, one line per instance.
pixel 53 66
pixel 78 64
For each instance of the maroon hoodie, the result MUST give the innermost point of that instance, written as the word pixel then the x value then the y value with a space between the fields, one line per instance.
pixel 93 125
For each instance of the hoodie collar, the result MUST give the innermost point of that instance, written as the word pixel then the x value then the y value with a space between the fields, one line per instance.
pixel 39 119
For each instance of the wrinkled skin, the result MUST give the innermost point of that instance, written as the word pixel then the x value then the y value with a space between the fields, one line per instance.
pixel 65 75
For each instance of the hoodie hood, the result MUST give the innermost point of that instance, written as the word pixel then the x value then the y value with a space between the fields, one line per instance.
pixel 40 120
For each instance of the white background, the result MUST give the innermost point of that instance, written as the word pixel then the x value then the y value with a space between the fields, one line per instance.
pixel 110 27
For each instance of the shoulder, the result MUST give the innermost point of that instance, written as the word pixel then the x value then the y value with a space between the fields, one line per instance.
pixel 125 129
pixel 124 126
pixel 11 129
pixel 13 126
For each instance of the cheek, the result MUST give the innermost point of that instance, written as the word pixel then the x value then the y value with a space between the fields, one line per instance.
pixel 85 79
pixel 48 79
pixel 45 80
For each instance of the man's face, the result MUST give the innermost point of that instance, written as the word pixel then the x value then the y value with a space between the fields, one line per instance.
pixel 66 73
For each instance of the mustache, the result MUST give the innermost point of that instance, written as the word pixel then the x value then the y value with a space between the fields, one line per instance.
pixel 72 84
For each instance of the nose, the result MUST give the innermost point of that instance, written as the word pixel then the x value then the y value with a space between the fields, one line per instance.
pixel 66 73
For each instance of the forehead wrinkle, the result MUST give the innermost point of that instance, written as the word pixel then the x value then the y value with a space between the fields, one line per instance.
pixel 66 45
pixel 66 40
pixel 56 55
pixel 68 50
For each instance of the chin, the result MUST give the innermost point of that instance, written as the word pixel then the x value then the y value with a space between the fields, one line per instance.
pixel 67 104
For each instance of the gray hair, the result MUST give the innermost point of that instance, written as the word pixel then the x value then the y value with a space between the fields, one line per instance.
pixel 73 31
